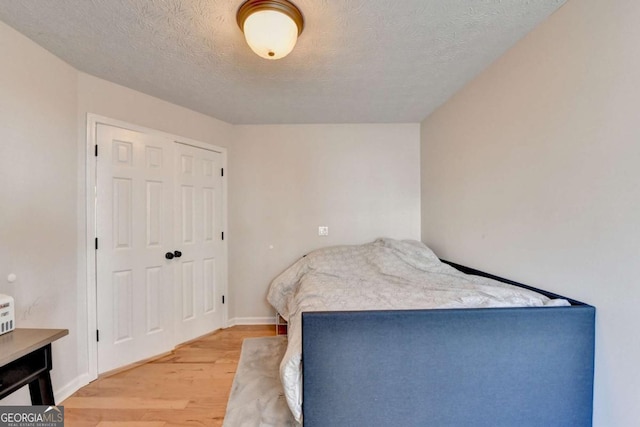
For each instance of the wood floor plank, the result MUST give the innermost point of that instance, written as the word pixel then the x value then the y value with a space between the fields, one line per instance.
pixel 123 403
pixel 189 387
pixel 132 424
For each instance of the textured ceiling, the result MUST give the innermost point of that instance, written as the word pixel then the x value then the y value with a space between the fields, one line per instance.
pixel 357 61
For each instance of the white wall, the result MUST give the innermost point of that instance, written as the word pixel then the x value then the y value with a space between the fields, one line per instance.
pixel 362 181
pixel 118 102
pixel 38 182
pixel 532 172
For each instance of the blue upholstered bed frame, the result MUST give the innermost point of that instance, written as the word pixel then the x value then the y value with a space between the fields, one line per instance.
pixel 511 367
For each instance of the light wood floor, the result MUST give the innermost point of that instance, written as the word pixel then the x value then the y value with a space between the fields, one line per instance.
pixel 189 387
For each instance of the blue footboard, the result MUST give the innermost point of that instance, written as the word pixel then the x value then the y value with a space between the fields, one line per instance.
pixel 511 367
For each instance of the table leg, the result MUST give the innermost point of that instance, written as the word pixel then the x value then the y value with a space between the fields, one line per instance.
pixel 41 390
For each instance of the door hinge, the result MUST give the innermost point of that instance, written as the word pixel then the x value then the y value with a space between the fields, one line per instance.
pixel 96 150
pixel 97 335
pixel 223 299
pixel 96 243
pixel 222 172
pixel 223 235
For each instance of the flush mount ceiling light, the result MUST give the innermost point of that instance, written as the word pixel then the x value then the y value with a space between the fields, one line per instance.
pixel 271 27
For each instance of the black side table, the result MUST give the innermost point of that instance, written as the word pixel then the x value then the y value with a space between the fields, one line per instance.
pixel 25 358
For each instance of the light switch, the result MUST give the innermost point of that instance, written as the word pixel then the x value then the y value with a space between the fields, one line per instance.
pixel 323 230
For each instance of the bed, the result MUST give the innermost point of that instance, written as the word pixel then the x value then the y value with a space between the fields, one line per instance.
pixel 387 334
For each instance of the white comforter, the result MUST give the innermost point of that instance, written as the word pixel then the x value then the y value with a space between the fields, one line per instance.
pixel 384 275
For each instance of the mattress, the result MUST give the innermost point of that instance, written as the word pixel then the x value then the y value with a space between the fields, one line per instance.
pixel 386 274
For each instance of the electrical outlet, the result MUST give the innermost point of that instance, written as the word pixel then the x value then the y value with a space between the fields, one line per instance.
pixel 323 230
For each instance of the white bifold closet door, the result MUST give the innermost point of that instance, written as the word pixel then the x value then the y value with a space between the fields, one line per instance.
pixel 158 221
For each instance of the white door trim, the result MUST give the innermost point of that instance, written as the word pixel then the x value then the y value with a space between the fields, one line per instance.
pixel 93 120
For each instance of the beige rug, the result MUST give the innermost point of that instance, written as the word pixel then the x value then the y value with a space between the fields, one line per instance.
pixel 257 398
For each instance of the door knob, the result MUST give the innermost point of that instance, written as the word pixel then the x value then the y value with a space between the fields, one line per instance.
pixel 177 254
pixel 169 255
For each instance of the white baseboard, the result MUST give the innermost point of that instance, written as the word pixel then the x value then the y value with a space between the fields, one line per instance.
pixel 71 387
pixel 271 320
pixel 21 397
